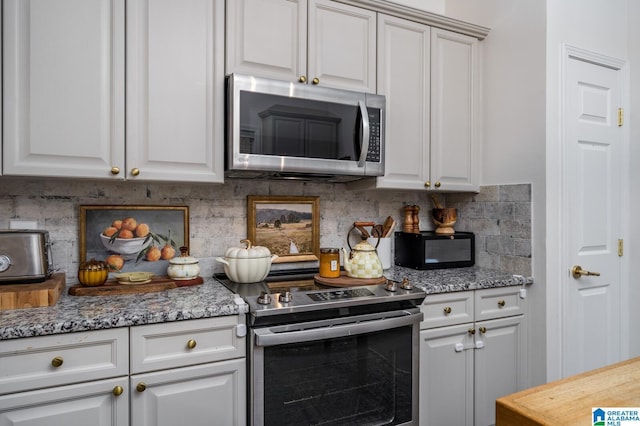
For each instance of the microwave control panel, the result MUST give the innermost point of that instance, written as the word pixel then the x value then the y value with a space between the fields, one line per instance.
pixel 373 154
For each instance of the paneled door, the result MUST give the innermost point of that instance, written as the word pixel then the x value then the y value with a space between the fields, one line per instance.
pixel 592 204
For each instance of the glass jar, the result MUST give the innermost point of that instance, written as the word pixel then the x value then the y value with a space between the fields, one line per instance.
pixel 330 263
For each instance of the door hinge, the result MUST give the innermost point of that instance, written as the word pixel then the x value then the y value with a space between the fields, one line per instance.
pixel 620 116
pixel 620 247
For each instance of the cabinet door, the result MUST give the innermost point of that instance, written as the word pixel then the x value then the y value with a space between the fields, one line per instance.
pixel 201 395
pixel 63 87
pixel 446 376
pixel 175 90
pixel 403 77
pixel 342 46
pixel 267 38
pixel 500 364
pixel 92 403
pixel 455 147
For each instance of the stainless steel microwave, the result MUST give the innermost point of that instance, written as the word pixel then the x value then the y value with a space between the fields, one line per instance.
pixel 289 130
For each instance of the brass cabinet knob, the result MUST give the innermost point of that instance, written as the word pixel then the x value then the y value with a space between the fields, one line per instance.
pixel 302 79
pixel 191 344
pixel 141 387
pixel 483 330
pixel 438 184
pixel 447 310
pixel 501 303
pixel 472 331
pixel 118 390
pixel 135 171
pixel 427 184
pixel 57 361
pixel 316 80
pixel 115 170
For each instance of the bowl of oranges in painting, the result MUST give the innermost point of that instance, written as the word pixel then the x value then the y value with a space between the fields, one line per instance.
pixel 126 237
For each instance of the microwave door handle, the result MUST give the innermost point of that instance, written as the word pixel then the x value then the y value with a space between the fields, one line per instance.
pixel 365 134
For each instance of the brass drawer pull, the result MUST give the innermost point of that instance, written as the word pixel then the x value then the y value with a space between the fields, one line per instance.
pixel 501 303
pixel 447 310
pixel 118 390
pixel 483 330
pixel 191 344
pixel 472 331
pixel 141 387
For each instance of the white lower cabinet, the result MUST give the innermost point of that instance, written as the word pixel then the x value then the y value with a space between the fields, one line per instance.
pixel 190 373
pixel 186 372
pixel 68 379
pixel 196 396
pixel 465 365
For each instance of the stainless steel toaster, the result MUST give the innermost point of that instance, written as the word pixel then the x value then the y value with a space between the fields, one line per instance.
pixel 25 256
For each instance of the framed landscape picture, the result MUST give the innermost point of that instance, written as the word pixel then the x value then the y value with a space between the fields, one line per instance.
pixel 289 226
pixel 133 238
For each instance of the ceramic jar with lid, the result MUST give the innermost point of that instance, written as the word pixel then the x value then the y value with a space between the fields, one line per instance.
pixel 183 267
pixel 329 263
pixel 93 273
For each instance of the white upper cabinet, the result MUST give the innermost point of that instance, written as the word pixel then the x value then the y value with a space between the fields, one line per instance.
pixel 65 100
pixel 404 79
pixel 310 41
pixel 63 81
pixel 455 144
pixel 175 90
pixel 430 79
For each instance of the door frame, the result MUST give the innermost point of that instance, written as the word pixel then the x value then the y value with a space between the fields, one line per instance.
pixel 556 256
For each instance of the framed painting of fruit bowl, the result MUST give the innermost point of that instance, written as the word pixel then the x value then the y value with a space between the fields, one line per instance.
pixel 133 238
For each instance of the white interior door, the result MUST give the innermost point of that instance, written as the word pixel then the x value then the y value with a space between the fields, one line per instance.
pixel 591 222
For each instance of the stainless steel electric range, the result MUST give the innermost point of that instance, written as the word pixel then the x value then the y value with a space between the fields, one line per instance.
pixel 331 356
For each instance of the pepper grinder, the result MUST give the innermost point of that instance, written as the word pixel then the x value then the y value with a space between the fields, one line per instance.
pixel 411 219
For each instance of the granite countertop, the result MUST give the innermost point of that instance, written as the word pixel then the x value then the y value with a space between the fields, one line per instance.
pixel 210 299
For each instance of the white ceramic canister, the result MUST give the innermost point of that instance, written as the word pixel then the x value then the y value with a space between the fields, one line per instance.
pixel 183 267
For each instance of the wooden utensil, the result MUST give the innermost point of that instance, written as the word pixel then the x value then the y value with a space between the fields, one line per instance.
pixel 387 226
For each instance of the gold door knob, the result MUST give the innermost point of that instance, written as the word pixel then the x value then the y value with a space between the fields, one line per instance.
pixel 472 331
pixel 141 387
pixel 427 184
pixel 447 310
pixel 118 390
pixel 302 79
pixel 501 303
pixel 316 80
pixel 135 171
pixel 57 361
pixel 578 272
pixel 191 344
pixel 115 170
pixel 438 184
pixel 483 330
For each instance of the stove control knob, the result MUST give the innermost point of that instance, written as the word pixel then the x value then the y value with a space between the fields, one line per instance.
pixel 391 286
pixel 406 284
pixel 264 298
pixel 285 297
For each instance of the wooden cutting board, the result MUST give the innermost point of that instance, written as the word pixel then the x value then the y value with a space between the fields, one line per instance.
pixel 346 281
pixel 46 293
pixel 113 288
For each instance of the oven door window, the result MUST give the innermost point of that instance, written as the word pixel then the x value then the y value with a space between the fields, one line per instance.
pixel 364 380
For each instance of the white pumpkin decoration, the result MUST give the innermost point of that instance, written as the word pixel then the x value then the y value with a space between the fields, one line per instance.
pixel 249 264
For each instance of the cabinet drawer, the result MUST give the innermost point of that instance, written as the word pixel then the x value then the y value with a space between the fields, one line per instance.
pixel 447 309
pixel 498 303
pixel 182 343
pixel 30 363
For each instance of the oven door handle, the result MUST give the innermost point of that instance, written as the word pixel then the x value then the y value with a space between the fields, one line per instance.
pixel 267 337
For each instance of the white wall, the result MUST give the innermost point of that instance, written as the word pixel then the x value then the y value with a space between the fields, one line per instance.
pixel 514 126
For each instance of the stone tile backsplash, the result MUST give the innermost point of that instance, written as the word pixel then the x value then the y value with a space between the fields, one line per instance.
pixel 500 216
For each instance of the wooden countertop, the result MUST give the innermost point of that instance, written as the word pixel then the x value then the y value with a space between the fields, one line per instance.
pixel 569 401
